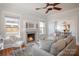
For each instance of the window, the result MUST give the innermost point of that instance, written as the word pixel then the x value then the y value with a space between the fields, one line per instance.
pixel 12 26
pixel 42 27
pixel 60 28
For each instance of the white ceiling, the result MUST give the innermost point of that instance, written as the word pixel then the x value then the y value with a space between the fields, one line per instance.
pixel 26 8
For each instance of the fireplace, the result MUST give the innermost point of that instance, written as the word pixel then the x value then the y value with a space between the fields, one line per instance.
pixel 30 37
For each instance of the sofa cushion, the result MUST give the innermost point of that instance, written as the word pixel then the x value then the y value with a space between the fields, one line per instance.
pixel 68 39
pixel 57 47
pixel 45 44
pixel 39 52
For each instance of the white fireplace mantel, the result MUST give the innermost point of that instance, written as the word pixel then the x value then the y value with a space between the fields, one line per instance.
pixel 31 30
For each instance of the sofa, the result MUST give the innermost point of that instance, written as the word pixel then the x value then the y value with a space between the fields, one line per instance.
pixel 61 47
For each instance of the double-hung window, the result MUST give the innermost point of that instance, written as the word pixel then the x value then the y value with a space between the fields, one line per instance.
pixel 12 26
pixel 42 27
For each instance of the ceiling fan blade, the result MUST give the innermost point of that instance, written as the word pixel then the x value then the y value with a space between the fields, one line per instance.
pixel 54 4
pixel 57 8
pixel 48 10
pixel 47 4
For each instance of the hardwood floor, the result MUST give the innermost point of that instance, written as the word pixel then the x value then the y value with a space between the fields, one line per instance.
pixel 77 51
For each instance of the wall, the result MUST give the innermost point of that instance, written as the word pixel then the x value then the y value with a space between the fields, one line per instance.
pixel 0 25
pixel 78 30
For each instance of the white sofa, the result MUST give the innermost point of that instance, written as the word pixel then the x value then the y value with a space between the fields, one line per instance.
pixel 58 48
pixel 62 47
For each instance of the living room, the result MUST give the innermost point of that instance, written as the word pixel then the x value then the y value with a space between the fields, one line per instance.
pixel 28 30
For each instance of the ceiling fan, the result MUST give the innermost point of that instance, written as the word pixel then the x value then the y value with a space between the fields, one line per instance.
pixel 50 6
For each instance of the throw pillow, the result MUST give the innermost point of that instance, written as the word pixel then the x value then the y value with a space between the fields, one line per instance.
pixel 57 47
pixel 68 39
